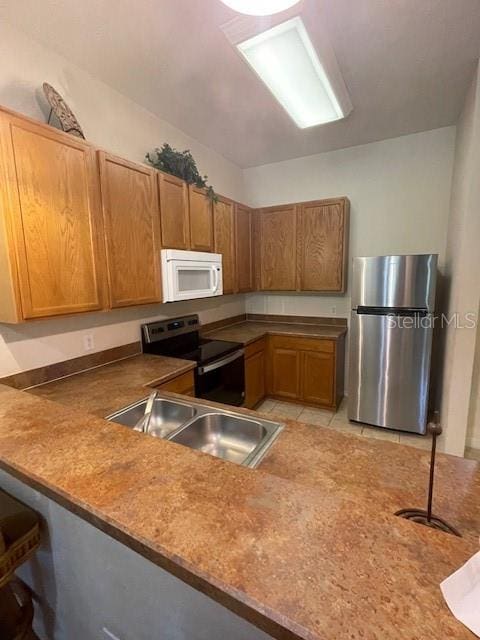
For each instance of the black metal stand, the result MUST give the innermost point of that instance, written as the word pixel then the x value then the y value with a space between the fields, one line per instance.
pixel 420 515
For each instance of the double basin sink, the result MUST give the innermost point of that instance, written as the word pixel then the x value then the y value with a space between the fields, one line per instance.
pixel 221 433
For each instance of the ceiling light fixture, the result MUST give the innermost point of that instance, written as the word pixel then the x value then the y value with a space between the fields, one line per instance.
pixel 259 7
pixel 287 62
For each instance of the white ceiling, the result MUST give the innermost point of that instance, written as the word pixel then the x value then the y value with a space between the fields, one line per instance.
pixel 407 65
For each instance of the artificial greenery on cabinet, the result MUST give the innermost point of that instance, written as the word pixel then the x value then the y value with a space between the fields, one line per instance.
pixel 182 165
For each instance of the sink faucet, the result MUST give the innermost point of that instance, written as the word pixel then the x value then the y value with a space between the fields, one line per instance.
pixel 143 424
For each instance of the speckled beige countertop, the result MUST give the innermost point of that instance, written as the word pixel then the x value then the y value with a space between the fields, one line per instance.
pixel 104 389
pixel 249 331
pixel 306 546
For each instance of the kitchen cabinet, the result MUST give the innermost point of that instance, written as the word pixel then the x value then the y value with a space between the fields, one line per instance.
pixel 308 370
pixel 276 248
pixel 254 373
pixel 302 246
pixel 174 212
pixel 184 384
pixel 51 232
pixel 322 245
pixel 132 229
pixel 224 240
pixel 317 377
pixel 201 219
pixel 284 372
pixel 243 249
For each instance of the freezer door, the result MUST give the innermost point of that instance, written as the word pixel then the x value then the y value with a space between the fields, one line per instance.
pixel 389 371
pixel 395 281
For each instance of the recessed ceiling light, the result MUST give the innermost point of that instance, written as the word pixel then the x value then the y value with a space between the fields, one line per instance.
pixel 259 7
pixel 287 62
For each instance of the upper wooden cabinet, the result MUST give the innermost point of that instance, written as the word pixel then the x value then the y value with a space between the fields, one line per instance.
pixel 131 220
pixel 276 248
pixel 322 245
pixel 201 220
pixel 302 246
pixel 51 244
pixel 243 249
pixel 174 218
pixel 224 240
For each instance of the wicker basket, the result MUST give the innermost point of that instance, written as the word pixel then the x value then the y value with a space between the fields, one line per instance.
pixel 17 553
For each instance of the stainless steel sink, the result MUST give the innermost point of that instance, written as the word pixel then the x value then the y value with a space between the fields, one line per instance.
pixel 218 432
pixel 167 416
pixel 221 435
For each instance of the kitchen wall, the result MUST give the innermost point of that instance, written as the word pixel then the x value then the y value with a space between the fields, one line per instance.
pixel 35 344
pixel 114 122
pixel 460 388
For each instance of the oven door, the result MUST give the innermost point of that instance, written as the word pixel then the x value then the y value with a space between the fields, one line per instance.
pixel 222 380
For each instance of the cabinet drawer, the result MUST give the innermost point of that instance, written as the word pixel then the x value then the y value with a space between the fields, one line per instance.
pixel 254 347
pixel 302 344
pixel 181 384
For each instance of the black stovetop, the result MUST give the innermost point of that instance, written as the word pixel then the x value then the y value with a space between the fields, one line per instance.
pixel 190 346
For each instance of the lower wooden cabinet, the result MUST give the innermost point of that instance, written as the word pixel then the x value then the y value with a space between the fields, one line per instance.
pixel 254 373
pixel 284 368
pixel 306 370
pixel 318 377
pixel 184 384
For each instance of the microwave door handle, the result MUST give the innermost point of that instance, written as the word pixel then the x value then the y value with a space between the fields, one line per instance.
pixel 220 363
pixel 215 280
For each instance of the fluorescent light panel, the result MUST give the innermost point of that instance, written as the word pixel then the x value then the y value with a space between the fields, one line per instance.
pixel 259 7
pixel 285 59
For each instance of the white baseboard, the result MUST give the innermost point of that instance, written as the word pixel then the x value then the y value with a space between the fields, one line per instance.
pixel 473 443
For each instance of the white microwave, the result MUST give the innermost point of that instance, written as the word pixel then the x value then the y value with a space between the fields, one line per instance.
pixel 190 274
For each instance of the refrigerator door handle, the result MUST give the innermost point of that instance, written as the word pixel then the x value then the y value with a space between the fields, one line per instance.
pixel 392 311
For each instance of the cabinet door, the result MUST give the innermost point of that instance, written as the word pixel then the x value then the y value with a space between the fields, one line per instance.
pixel 54 211
pixel 318 377
pixel 131 219
pixel 277 248
pixel 184 384
pixel 174 223
pixel 284 372
pixel 201 220
pixel 243 248
pixel 254 379
pixel 322 245
pixel 224 240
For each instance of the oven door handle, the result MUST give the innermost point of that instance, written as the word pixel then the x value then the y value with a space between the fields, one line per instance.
pixel 220 363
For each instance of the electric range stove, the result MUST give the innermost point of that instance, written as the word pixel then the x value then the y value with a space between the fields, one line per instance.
pixel 220 370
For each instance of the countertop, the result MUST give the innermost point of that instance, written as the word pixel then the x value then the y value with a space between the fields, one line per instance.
pixel 249 331
pixel 305 546
pixel 102 390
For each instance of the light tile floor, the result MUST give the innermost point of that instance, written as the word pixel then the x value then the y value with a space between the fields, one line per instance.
pixel 339 421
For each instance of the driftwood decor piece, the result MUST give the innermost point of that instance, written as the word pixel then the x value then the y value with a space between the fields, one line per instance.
pixel 62 111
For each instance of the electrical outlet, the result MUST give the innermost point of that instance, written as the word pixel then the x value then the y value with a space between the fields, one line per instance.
pixel 109 634
pixel 334 310
pixel 88 342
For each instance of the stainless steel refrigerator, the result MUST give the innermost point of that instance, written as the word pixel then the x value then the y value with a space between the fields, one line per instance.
pixel 391 330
